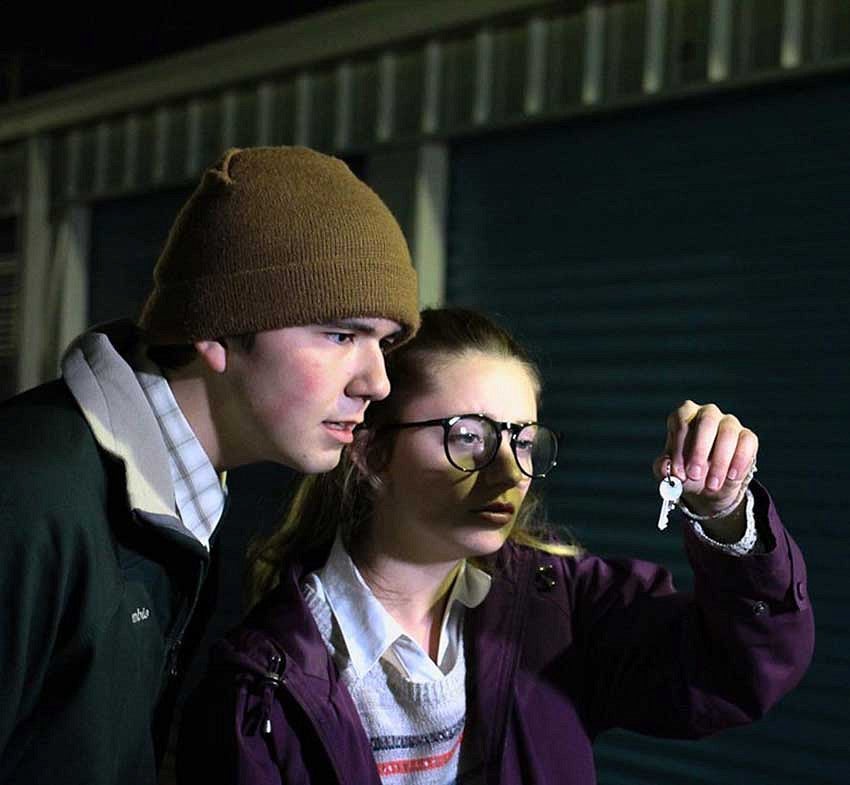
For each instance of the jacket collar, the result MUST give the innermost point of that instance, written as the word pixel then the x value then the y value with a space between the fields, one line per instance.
pixel 284 619
pixel 100 377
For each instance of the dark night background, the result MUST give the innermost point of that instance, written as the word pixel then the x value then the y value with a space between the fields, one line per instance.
pixel 44 49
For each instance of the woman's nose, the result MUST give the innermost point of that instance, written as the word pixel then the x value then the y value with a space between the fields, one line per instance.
pixel 504 465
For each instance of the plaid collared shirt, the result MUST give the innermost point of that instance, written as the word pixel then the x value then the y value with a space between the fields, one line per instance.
pixel 199 491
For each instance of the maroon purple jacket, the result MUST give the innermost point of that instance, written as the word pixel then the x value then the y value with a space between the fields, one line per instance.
pixel 561 650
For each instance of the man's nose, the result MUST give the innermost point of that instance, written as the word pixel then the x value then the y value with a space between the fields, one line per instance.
pixel 371 381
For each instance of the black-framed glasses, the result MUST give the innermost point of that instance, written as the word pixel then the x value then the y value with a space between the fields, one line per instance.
pixel 472 441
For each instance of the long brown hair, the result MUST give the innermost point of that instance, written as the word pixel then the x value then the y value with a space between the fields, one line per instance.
pixel 341 500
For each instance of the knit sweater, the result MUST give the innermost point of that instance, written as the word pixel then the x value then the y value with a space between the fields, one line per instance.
pixel 414 728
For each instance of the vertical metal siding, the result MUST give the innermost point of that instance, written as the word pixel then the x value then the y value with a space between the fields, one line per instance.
pixel 547 61
pixel 11 174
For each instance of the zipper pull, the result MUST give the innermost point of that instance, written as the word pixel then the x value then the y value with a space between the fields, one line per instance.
pixel 273 679
pixel 175 652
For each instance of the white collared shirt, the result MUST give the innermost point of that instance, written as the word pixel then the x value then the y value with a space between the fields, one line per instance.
pixel 199 491
pixel 371 633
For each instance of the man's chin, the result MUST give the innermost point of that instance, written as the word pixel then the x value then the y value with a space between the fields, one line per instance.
pixel 320 462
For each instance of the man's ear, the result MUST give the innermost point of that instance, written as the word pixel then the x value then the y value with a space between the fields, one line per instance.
pixel 213 354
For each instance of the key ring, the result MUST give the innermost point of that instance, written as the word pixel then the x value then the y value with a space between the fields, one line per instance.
pixel 670 489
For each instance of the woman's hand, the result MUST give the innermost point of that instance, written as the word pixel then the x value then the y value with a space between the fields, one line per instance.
pixel 711 453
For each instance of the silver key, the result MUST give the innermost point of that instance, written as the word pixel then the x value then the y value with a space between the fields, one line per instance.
pixel 670 490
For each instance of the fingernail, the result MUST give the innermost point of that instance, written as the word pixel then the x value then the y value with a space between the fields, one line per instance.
pixel 733 474
pixel 714 483
pixel 694 471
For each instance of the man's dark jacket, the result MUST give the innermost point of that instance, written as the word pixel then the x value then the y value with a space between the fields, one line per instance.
pixel 96 590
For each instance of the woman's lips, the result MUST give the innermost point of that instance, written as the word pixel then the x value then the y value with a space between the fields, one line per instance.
pixel 497 513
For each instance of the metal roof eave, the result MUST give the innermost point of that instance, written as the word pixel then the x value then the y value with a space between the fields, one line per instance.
pixel 331 35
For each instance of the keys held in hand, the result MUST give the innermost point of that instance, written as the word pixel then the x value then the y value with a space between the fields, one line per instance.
pixel 670 489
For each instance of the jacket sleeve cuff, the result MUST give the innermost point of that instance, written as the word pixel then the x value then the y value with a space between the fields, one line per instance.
pixel 747 544
pixel 773 580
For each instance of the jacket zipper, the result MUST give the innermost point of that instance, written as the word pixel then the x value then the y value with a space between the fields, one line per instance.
pixel 173 654
pixel 172 668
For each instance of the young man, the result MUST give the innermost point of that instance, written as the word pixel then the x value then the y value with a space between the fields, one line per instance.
pixel 283 281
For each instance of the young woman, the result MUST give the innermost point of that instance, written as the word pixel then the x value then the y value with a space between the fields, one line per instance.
pixel 415 625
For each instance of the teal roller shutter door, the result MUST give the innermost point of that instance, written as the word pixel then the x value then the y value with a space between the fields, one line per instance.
pixel 127 238
pixel 697 250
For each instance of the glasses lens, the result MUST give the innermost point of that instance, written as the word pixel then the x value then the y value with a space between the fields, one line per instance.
pixel 536 449
pixel 471 443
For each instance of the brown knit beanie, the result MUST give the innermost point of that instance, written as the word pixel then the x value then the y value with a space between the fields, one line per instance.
pixel 277 237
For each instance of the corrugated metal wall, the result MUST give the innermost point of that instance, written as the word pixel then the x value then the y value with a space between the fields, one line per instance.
pixel 11 174
pixel 516 68
pixel 391 79
pixel 694 251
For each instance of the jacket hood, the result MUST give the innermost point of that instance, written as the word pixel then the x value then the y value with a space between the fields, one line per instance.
pixel 97 369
